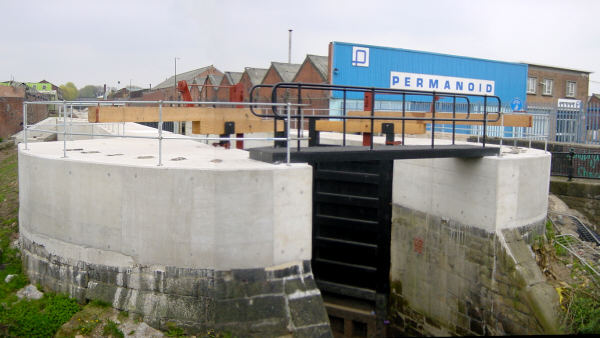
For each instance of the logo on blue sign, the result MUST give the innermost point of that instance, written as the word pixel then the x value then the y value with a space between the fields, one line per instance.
pixel 360 56
pixel 516 104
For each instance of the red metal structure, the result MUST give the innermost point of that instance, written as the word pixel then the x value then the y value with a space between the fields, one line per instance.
pixel 236 94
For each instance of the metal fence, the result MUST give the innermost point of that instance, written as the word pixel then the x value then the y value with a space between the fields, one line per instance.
pixel 572 165
pixel 66 115
pixel 576 123
pixel 563 122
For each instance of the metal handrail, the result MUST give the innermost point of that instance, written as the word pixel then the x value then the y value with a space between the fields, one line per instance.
pixel 374 91
pixel 160 137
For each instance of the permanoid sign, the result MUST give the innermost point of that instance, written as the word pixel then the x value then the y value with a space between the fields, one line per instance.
pixel 441 84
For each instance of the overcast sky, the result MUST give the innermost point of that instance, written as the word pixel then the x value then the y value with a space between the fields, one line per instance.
pixel 98 42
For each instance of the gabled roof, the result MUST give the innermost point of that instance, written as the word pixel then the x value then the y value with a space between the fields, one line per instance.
pixel 287 71
pixel 256 75
pixel 233 77
pixel 215 80
pixel 187 76
pixel 321 63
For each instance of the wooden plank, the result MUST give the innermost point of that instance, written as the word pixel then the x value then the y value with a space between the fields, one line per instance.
pixel 364 126
pixel 510 120
pixel 205 120
pixel 207 126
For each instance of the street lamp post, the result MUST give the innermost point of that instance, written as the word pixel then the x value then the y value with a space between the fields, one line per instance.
pixel 175 84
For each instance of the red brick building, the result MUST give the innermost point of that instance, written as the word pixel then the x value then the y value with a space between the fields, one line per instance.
pixel 229 79
pixel 251 77
pixel 166 90
pixel 314 69
pixel 545 85
pixel 278 72
pixel 11 109
pixel 210 86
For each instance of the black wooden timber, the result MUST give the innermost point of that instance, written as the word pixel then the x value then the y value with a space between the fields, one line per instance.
pixel 360 153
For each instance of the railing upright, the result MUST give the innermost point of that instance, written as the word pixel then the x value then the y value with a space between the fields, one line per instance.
pixel 64 129
pixel 160 127
pixel 25 124
pixel 288 124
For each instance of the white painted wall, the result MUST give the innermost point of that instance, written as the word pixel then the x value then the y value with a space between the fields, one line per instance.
pixel 215 209
pixel 494 192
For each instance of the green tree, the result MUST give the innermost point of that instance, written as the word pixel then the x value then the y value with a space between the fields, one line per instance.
pixel 90 91
pixel 69 91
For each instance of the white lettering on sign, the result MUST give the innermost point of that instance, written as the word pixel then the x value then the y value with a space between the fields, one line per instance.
pixel 441 84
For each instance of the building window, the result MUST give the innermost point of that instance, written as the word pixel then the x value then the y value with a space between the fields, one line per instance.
pixel 571 88
pixel 547 87
pixel 531 85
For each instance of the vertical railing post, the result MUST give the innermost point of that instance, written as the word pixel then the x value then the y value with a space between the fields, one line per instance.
pixel 502 128
pixel 485 119
pixel 372 117
pixel 288 124
pixel 344 118
pixel 71 122
pixel 299 111
pixel 570 169
pixel 453 119
pixel 25 124
pixel 403 117
pixel 433 122
pixel 160 127
pixel 64 129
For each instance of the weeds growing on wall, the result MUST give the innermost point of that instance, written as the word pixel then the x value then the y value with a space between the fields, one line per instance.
pixel 22 318
pixel 580 298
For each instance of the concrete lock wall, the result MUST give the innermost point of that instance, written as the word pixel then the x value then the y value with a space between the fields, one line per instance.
pixel 210 239
pixel 460 259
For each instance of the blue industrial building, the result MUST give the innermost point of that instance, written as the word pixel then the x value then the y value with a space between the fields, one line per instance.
pixel 373 66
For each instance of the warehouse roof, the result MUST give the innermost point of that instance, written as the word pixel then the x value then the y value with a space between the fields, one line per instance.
pixel 215 80
pixel 233 77
pixel 256 75
pixel 321 63
pixel 287 71
pixel 187 76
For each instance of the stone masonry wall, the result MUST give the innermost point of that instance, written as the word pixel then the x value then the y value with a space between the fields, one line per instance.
pixel 452 279
pixel 247 302
pixel 580 194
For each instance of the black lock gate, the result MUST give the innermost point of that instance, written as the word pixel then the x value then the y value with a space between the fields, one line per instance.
pixel 351 227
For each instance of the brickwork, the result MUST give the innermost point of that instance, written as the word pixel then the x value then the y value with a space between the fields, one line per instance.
pixel 209 91
pixel 246 86
pixel 158 94
pixel 559 91
pixel 318 99
pixel 452 279
pixel 271 77
pixel 247 302
pixel 223 90
pixel 11 111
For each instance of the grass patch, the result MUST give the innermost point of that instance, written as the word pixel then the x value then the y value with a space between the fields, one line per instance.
pixel 22 318
pixel 36 318
pixel 173 330
pixel 111 329
pixel 582 309
pixel 100 303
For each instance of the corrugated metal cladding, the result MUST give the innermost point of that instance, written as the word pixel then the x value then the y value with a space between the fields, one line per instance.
pixel 364 65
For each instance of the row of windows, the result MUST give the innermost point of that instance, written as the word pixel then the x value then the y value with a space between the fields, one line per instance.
pixel 548 85
pixel 44 87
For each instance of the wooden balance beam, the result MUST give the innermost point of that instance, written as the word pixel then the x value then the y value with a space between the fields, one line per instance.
pixel 205 120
